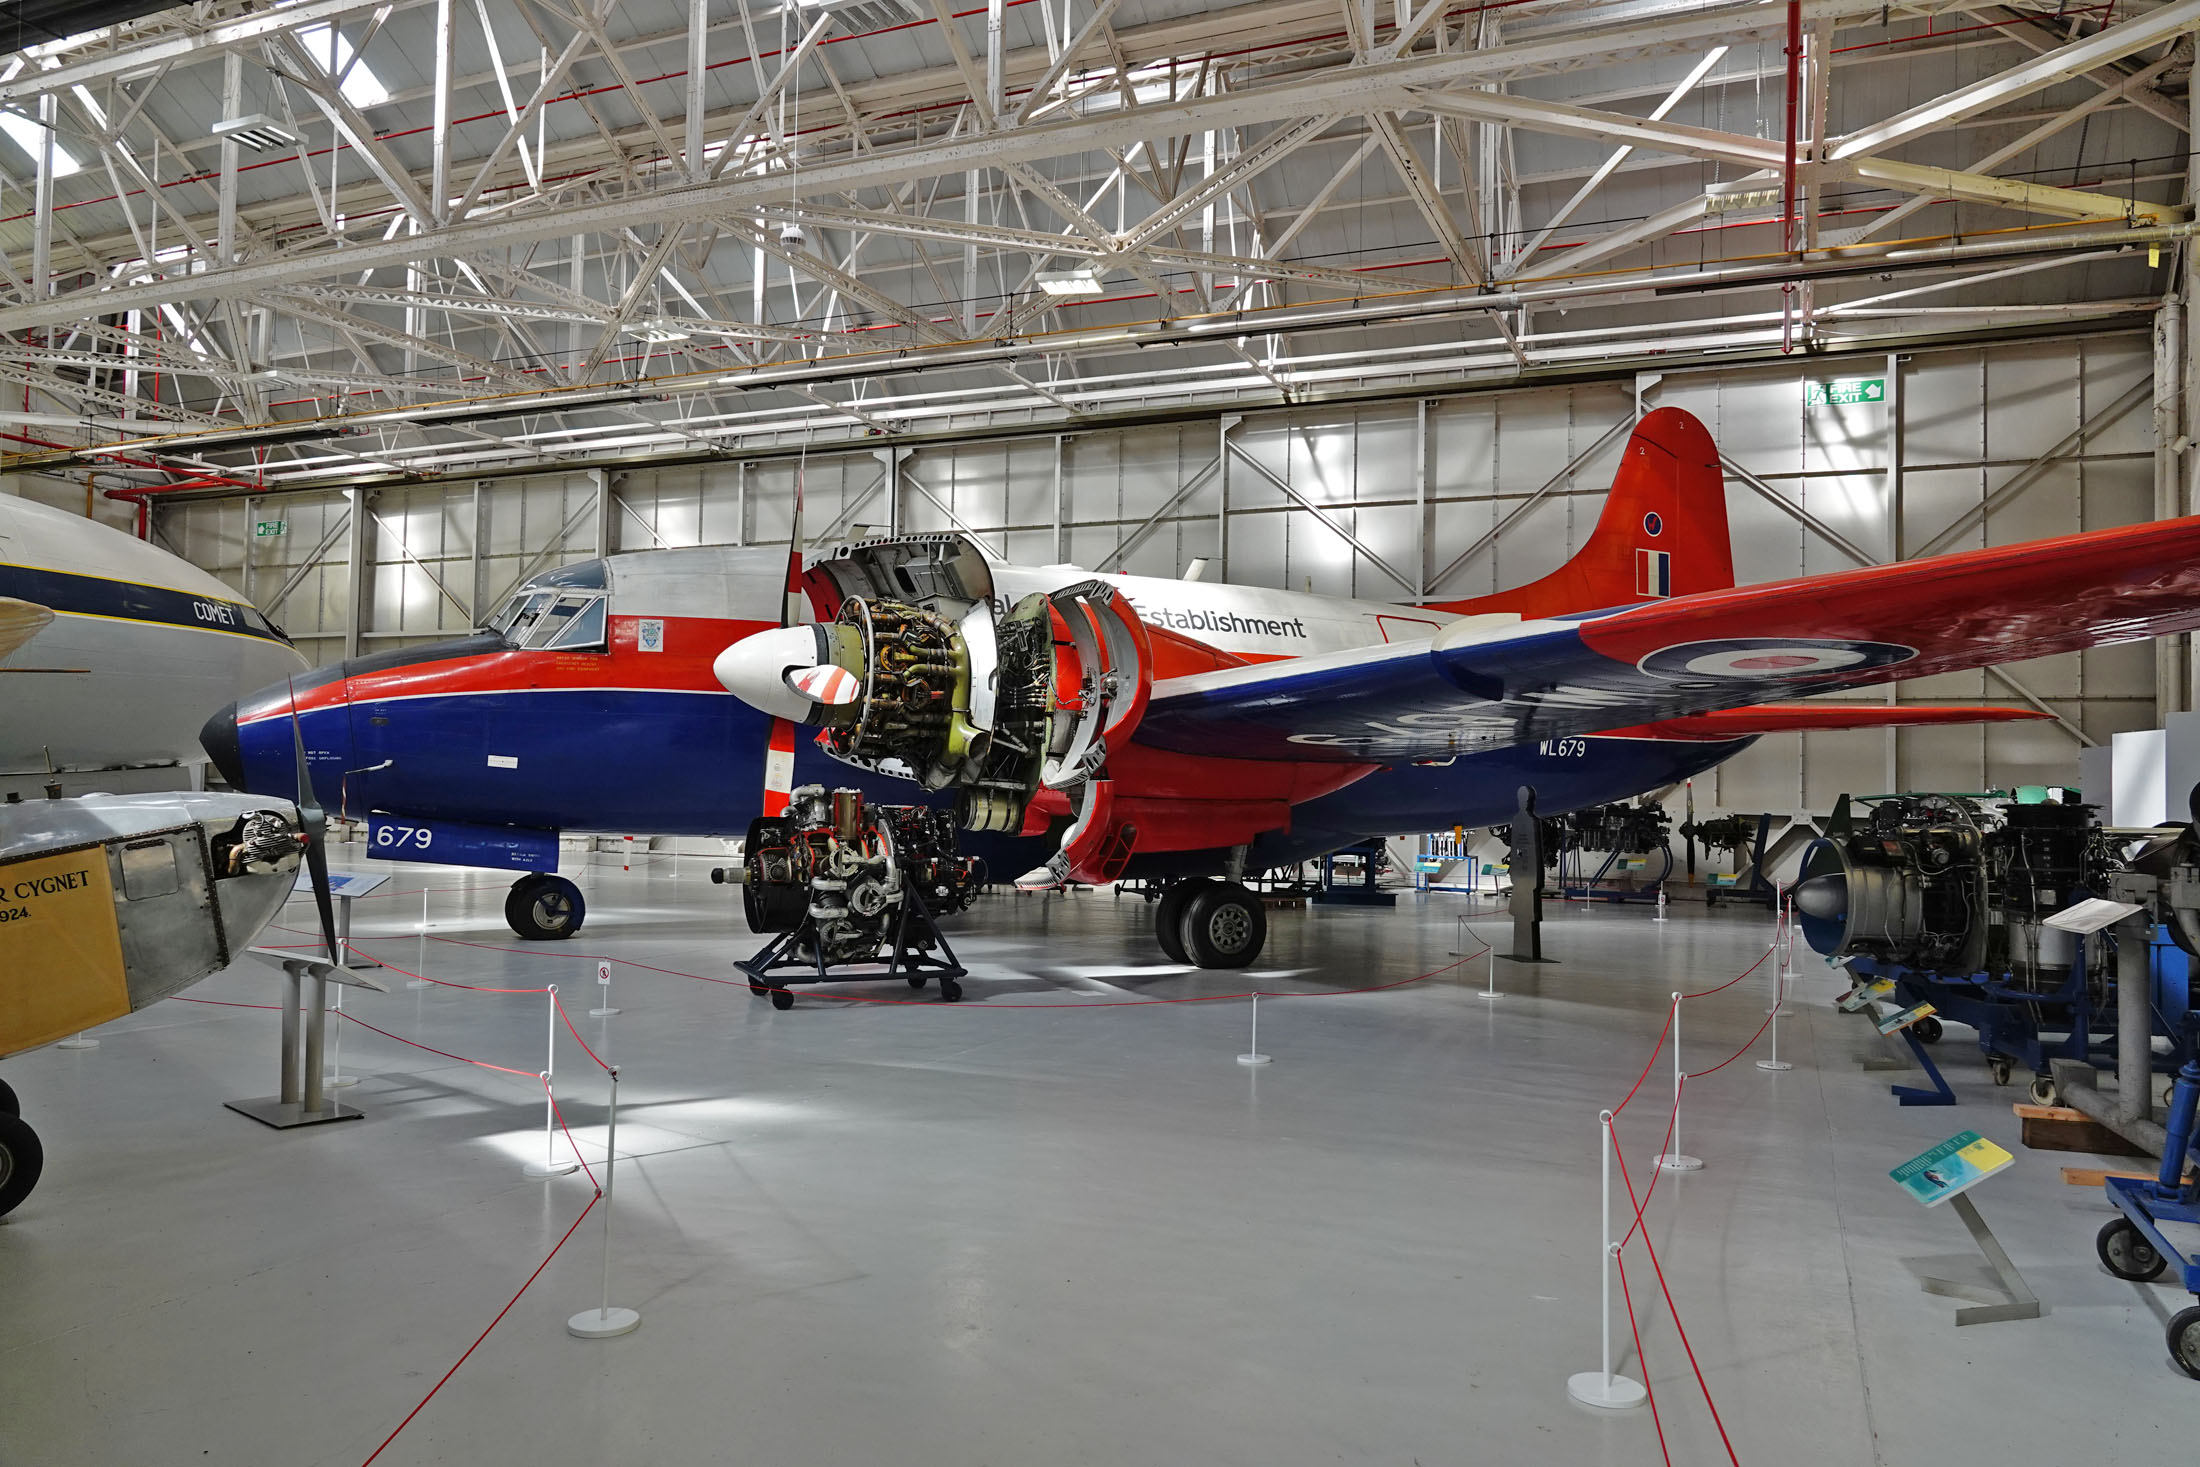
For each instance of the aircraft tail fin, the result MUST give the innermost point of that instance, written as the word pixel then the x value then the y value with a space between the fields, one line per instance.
pixel 1662 533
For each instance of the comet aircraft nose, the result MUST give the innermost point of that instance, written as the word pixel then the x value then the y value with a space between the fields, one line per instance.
pixel 787 673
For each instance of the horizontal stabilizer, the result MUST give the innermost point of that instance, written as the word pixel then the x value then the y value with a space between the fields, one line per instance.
pixel 1775 718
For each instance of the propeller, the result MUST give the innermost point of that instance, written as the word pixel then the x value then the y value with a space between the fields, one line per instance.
pixel 313 825
pixel 779 754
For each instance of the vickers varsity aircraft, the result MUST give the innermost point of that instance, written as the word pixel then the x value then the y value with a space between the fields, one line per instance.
pixel 1130 726
pixel 119 649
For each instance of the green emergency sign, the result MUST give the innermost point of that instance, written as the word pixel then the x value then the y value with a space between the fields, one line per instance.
pixel 1845 392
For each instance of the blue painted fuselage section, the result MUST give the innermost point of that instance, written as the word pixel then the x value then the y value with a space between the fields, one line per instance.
pixel 692 763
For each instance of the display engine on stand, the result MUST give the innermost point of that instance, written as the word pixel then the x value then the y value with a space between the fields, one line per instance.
pixel 847 886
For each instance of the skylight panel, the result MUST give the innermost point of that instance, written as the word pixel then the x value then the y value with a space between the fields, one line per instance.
pixel 30 137
pixel 326 44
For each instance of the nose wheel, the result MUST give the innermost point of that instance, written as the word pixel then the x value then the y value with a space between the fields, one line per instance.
pixel 544 908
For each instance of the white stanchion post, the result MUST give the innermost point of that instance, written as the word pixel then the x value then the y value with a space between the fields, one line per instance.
pixel 1678 1160
pixel 1783 945
pixel 337 1079
pixel 604 1322
pixel 1661 903
pixel 603 1010
pixel 1253 1056
pixel 78 1041
pixel 1490 991
pixel 550 1166
pixel 1779 1011
pixel 1604 1387
pixel 422 982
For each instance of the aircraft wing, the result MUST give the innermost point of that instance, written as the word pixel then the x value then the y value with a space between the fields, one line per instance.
pixel 1777 718
pixel 1480 686
pixel 19 622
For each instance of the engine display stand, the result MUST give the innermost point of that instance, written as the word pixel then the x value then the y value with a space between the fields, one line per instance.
pixel 302 1101
pixel 774 971
pixel 1940 1094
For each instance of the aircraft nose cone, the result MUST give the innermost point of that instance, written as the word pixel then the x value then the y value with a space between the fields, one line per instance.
pixel 1824 898
pixel 219 738
pixel 755 670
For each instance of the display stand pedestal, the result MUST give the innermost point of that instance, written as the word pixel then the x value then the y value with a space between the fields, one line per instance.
pixel 303 1101
pixel 1940 1094
pixel 2014 1299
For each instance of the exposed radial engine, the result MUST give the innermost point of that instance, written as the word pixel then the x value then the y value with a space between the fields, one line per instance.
pixel 850 868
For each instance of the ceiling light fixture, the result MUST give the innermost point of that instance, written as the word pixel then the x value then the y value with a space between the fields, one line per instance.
pixel 1754 192
pixel 258 131
pixel 660 332
pixel 1085 281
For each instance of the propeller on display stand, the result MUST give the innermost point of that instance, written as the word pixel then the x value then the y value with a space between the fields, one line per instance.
pixel 313 829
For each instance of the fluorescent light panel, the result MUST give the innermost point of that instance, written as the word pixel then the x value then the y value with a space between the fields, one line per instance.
pixel 1069 282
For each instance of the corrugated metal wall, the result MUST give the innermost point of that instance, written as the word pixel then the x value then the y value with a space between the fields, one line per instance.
pixel 1445 497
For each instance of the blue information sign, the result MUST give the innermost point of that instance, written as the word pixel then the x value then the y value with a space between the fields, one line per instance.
pixel 447 842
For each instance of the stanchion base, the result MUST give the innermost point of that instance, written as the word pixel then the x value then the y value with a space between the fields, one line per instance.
pixel 341 1082
pixel 283 1114
pixel 1488 993
pixel 1253 1059
pixel 1774 1065
pixel 79 1042
pixel 420 983
pixel 602 1324
pixel 1612 1392
pixel 1673 1161
pixel 601 1013
pixel 360 965
pixel 550 1168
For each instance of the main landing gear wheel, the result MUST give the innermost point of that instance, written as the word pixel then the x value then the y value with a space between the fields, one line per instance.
pixel 544 908
pixel 9 1105
pixel 2125 1252
pixel 21 1160
pixel 2184 1340
pixel 1927 1030
pixel 1225 926
pixel 1168 917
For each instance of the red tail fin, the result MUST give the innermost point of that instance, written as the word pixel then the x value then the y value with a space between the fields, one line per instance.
pixel 1663 530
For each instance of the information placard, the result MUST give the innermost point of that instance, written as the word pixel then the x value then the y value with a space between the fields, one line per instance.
pixel 1955 1165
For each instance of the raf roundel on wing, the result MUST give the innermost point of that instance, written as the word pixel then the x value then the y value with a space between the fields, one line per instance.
pixel 1755 659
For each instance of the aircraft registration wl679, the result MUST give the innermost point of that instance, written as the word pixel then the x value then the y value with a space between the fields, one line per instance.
pixel 1115 726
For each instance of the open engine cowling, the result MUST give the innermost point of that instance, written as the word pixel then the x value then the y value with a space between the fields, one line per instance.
pixel 924 674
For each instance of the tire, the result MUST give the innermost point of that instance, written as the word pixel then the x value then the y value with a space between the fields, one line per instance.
pixel 1225 926
pixel 544 908
pixel 1927 1030
pixel 1168 917
pixel 2125 1252
pixel 9 1105
pixel 950 991
pixel 2000 1068
pixel 782 998
pixel 2184 1340
pixel 21 1160
pixel 2044 1091
pixel 918 980
pixel 759 987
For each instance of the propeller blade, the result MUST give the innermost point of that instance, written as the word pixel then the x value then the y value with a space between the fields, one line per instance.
pixel 313 822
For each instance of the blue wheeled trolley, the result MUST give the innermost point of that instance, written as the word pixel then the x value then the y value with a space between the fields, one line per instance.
pixel 2132 1245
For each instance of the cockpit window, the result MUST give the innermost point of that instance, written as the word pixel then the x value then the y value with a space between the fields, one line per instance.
pixel 558 623
pixel 584 629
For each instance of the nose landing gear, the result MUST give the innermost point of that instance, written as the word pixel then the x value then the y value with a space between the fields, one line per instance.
pixel 544 908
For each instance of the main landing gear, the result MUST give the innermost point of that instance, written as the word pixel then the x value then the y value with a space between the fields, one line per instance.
pixel 21 1157
pixel 1210 924
pixel 545 908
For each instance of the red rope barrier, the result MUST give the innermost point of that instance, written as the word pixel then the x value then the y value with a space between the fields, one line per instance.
pixel 507 1309
pixel 577 1033
pixel 1648 1390
pixel 416 1044
pixel 559 1111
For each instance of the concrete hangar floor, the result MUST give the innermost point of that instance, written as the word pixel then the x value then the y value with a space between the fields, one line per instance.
pixel 866 1233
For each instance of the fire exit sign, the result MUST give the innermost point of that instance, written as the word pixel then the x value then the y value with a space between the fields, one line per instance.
pixel 265 529
pixel 1845 392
